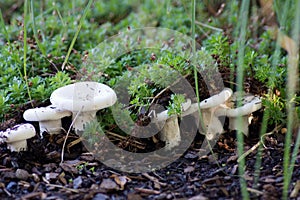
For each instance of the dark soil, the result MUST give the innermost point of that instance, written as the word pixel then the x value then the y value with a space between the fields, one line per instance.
pixel 39 173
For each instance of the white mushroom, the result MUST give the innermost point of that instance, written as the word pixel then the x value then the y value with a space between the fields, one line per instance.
pixel 16 137
pixel 210 119
pixel 208 107
pixel 163 116
pixel 49 118
pixel 170 133
pixel 250 104
pixel 83 99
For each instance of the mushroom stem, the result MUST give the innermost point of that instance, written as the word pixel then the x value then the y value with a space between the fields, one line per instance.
pixel 251 104
pixel 81 118
pixel 242 125
pixel 51 127
pixel 16 136
pixel 49 118
pixel 171 133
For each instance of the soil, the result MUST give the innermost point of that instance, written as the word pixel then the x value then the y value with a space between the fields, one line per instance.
pixel 38 173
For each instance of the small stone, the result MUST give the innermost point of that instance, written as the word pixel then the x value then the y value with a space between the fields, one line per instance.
pixel 36 178
pixel 22 174
pixel 12 187
pixel 109 185
pixel 51 176
pixel 77 182
pixel 101 197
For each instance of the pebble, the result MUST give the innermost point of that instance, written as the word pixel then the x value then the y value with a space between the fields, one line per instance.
pixel 77 182
pixel 101 197
pixel 22 174
pixel 12 187
pixel 36 177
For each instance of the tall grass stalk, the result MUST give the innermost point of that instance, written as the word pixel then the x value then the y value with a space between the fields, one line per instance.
pixel 25 49
pixel 41 47
pixel 2 25
pixel 82 18
pixel 275 60
pixel 242 26
pixel 292 80
pixel 194 61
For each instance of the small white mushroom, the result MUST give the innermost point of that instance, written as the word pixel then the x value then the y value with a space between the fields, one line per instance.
pixel 208 107
pixel 16 137
pixel 170 133
pixel 250 104
pixel 210 119
pixel 49 118
pixel 163 116
pixel 83 99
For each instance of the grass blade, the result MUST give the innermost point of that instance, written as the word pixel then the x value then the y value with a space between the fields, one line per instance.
pixel 25 50
pixel 243 19
pixel 292 80
pixel 77 32
pixel 41 47
pixel 2 24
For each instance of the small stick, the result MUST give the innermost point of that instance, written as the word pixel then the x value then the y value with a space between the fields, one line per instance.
pixel 255 191
pixel 64 188
pixel 151 178
pixel 67 135
pixel 123 138
pixel 257 144
pixel 147 191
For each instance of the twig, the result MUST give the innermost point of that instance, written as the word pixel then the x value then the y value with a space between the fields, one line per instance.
pixel 133 143
pixel 151 178
pixel 147 191
pixel 62 187
pixel 123 138
pixel 208 26
pixel 67 135
pixel 258 143
pixel 255 191
pixel 40 195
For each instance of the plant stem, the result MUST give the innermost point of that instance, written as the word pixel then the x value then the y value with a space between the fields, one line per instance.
pixel 25 51
pixel 243 18
pixel 194 61
pixel 77 32
pixel 2 24
pixel 292 79
pixel 41 47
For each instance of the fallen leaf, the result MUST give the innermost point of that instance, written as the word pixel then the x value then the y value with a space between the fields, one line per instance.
pixel 121 180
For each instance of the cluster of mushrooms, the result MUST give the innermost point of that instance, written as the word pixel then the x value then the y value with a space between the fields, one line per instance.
pixel 82 100
pixel 216 106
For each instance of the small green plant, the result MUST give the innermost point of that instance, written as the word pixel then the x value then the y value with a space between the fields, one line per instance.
pixel 175 105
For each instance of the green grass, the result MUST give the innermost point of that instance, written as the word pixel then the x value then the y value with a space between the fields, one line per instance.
pixel 47 52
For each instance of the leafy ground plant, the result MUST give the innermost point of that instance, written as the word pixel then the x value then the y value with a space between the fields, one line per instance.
pixel 44 46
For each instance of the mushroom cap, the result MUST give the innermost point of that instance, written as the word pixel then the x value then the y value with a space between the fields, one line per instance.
pixel 251 104
pixel 18 133
pixel 83 96
pixel 45 113
pixel 217 99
